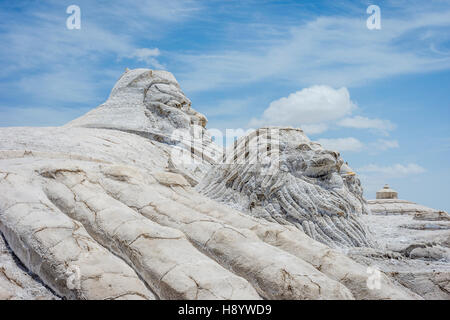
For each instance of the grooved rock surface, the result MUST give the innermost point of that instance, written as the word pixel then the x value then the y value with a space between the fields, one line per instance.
pixel 15 282
pixel 104 208
pixel 418 239
pixel 151 104
pixel 301 184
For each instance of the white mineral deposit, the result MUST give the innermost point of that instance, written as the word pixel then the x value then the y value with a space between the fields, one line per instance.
pixel 134 200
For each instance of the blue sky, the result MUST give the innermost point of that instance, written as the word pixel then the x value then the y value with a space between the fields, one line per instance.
pixel 381 97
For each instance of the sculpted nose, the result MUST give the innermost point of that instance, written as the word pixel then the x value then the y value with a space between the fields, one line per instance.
pixel 334 154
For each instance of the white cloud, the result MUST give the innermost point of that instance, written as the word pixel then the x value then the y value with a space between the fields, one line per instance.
pixel 227 107
pixel 354 145
pixel 383 145
pixel 148 56
pixel 394 171
pixel 373 176
pixel 338 51
pixel 141 13
pixel 313 105
pixel 342 144
pixel 314 128
pixel 359 122
pixel 318 108
pixel 57 66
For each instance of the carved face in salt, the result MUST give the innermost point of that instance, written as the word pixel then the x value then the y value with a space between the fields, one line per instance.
pixel 280 175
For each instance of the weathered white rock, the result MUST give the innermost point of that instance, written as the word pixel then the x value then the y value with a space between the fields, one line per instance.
pixel 414 246
pixel 397 206
pixel 162 256
pixel 151 104
pixel 301 184
pixel 15 282
pixel 104 208
pixel 57 248
pixel 274 273
pixel 333 263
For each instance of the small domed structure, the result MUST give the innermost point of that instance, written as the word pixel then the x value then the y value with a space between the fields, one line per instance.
pixel 387 193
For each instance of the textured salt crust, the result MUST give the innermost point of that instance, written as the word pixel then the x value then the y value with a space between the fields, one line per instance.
pixel 308 187
pixel 397 206
pixel 106 194
pixel 15 282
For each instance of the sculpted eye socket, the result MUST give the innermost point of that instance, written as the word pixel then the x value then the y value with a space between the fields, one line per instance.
pixel 304 147
pixel 336 154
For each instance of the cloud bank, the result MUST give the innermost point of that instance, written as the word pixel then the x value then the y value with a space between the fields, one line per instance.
pixel 342 144
pixel 393 171
pixel 313 105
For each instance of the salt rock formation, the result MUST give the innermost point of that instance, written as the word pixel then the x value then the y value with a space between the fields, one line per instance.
pixel 417 239
pixel 150 103
pixel 387 203
pixel 15 281
pixel 104 208
pixel 415 252
pixel 301 184
pixel 431 236
pixel 398 207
